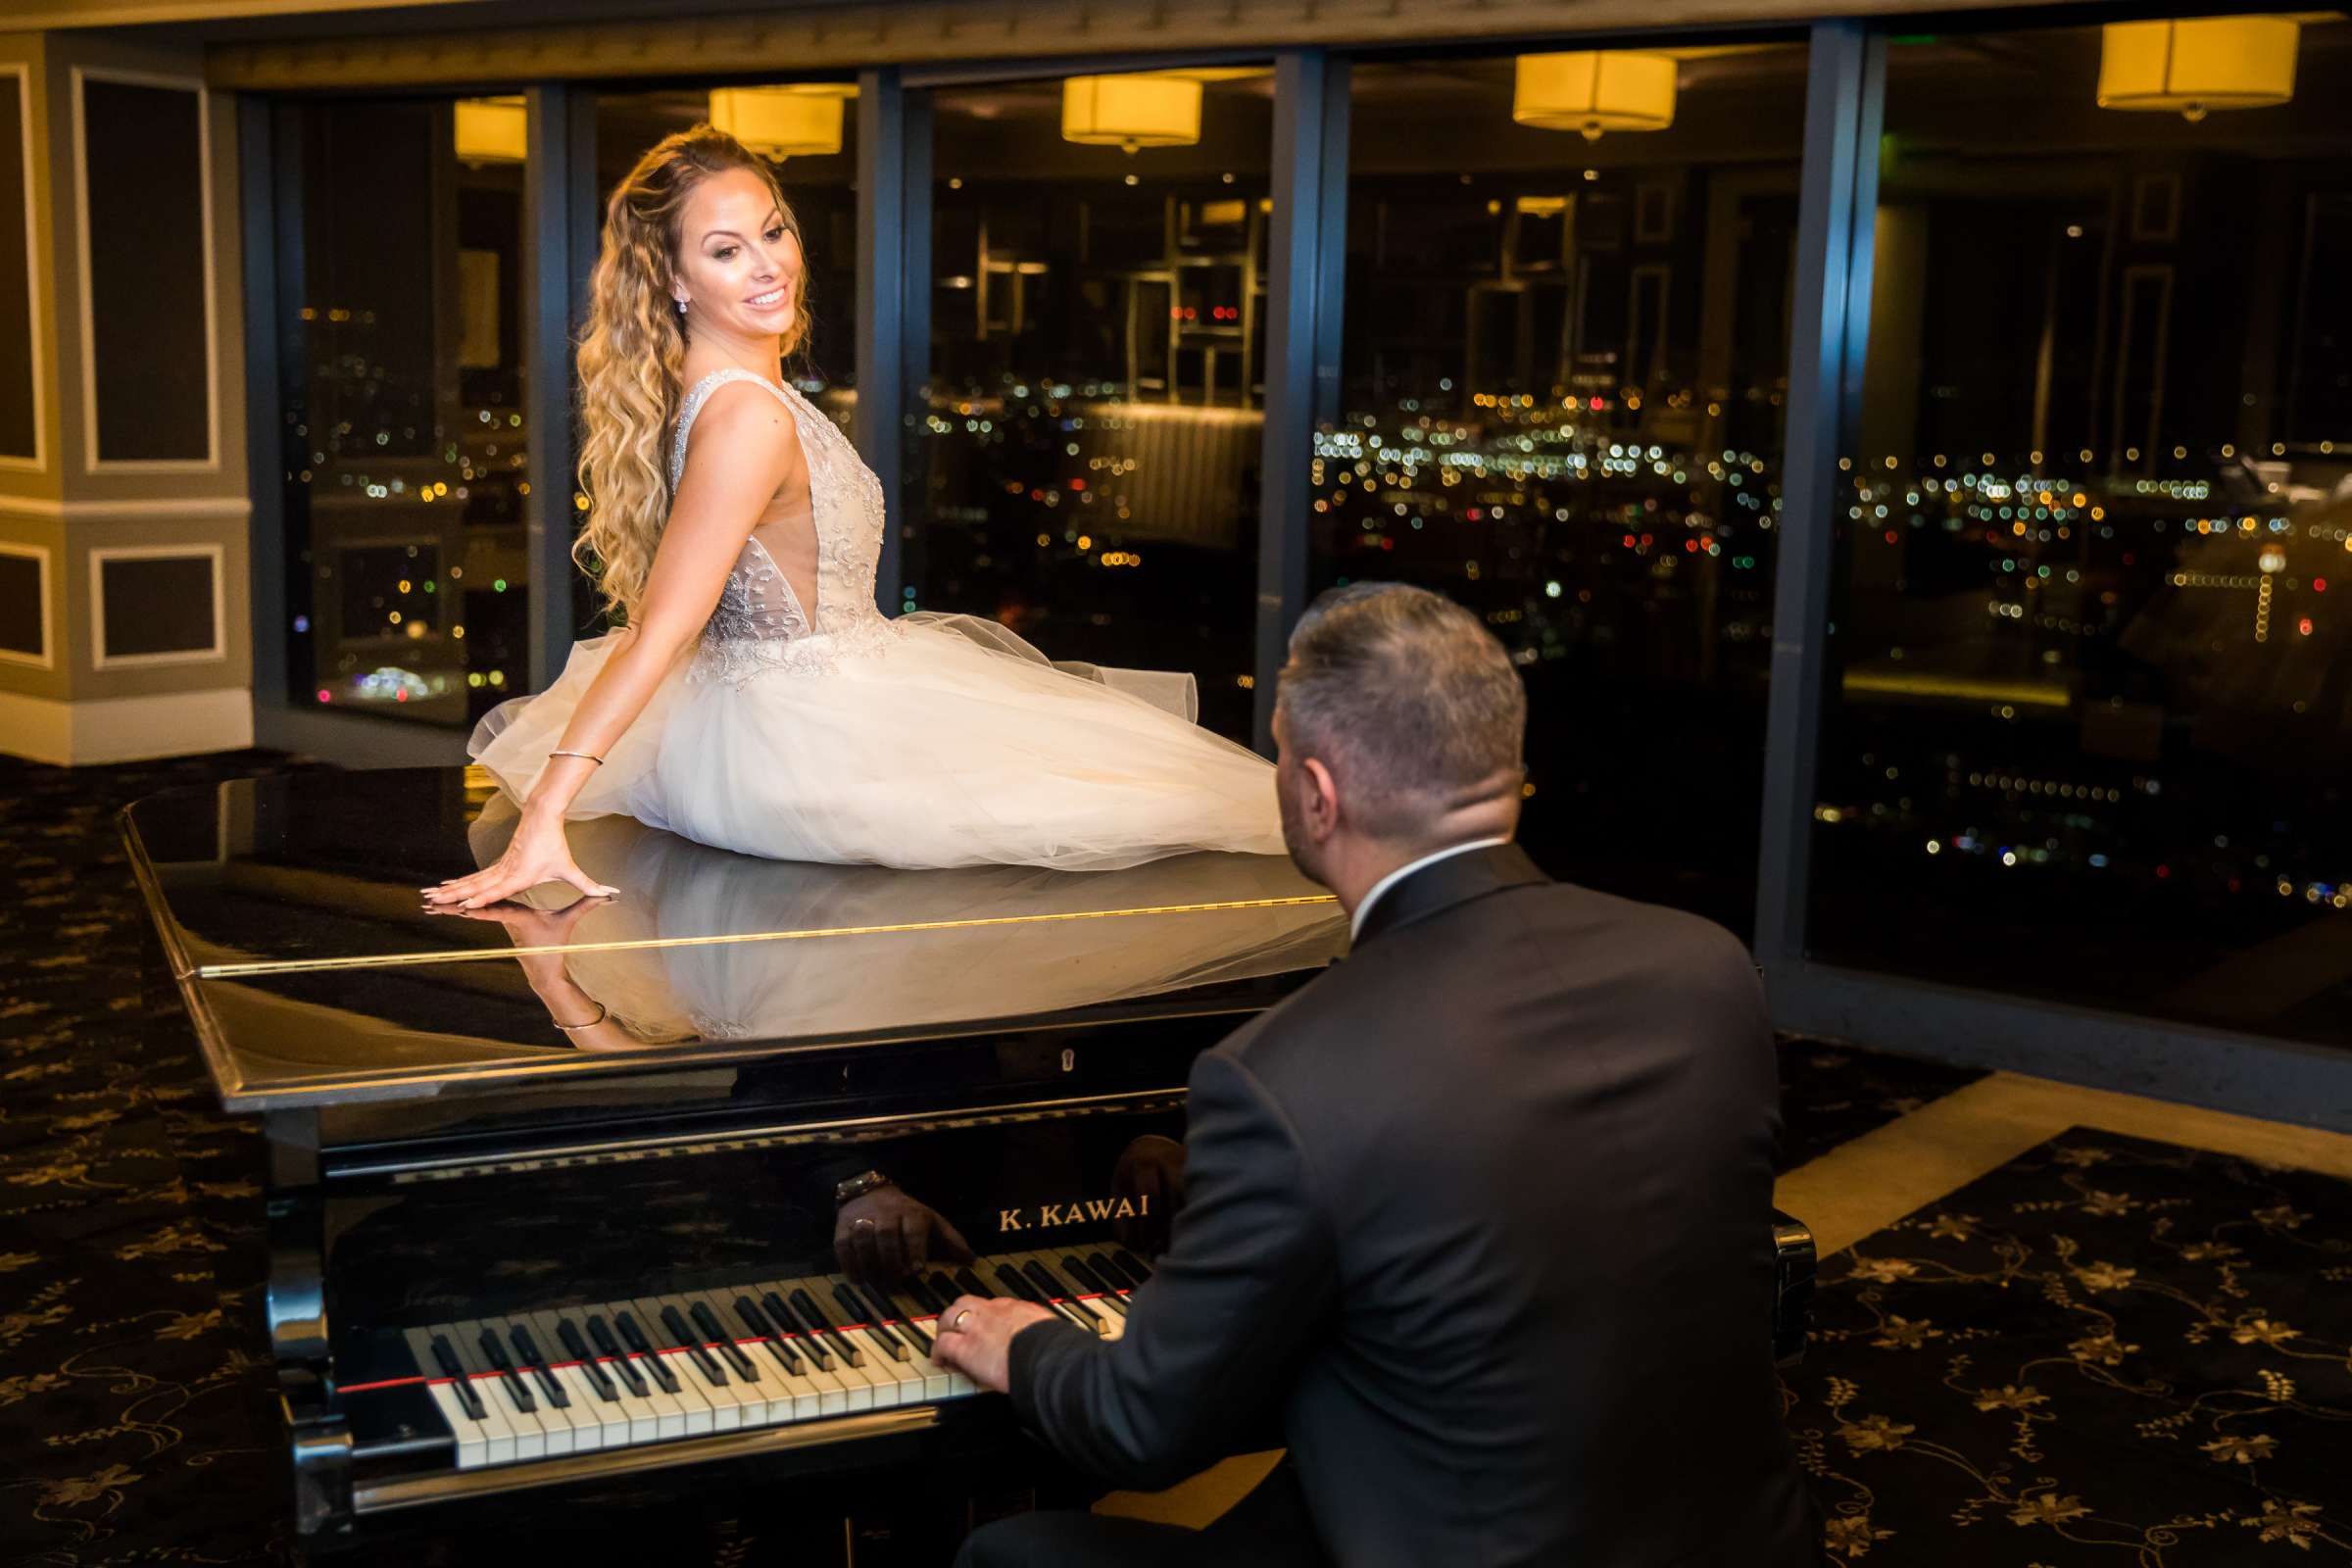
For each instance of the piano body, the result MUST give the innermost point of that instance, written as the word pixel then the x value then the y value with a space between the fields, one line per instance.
pixel 507 1257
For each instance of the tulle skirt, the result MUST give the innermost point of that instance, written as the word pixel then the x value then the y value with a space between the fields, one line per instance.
pixel 947 741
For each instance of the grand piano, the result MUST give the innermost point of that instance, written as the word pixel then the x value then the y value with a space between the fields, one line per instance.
pixel 702 1234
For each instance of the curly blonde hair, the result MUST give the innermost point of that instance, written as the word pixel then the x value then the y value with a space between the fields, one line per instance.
pixel 632 357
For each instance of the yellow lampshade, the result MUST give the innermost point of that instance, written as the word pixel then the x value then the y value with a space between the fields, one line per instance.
pixel 491 130
pixel 1593 91
pixel 1130 112
pixel 780 123
pixel 2191 66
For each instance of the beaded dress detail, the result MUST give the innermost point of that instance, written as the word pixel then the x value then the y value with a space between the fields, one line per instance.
pixel 830 732
pixel 759 623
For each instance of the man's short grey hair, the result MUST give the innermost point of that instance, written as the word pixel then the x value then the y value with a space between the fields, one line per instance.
pixel 1410 701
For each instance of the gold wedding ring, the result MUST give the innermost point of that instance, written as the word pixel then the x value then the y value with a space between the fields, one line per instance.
pixel 957 1325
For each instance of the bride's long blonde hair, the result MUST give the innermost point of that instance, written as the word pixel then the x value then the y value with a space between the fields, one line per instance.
pixel 632 357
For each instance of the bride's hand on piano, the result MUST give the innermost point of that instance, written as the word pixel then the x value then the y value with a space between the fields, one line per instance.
pixel 975 1335
pixel 535 854
pixel 883 1236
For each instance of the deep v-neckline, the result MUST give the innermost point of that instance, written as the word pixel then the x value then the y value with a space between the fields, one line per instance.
pixel 800 409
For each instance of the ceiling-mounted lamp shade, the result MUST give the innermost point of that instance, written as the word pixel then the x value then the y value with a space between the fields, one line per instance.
pixel 2198 64
pixel 1594 91
pixel 491 130
pixel 1130 112
pixel 780 123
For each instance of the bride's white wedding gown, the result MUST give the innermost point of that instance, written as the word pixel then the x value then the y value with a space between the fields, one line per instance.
pixel 834 733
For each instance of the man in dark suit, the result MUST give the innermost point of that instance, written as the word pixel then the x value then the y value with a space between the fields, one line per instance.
pixel 1481 1214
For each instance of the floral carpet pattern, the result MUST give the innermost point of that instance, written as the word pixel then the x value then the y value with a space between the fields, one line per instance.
pixel 2106 1353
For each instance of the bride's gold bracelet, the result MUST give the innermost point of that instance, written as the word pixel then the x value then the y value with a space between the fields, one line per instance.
pixel 591 756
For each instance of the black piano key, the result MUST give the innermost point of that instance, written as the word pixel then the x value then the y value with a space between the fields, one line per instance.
pixel 622 1363
pixel 632 1333
pixel 789 1321
pixel 812 1318
pixel 460 1382
pixel 1018 1284
pixel 590 1367
pixel 918 1289
pixel 1109 1273
pixel 858 1306
pixel 768 1334
pixel 1137 1270
pixel 1075 1268
pixel 905 1325
pixel 516 1390
pixel 691 1343
pixel 716 1331
pixel 526 1350
pixel 968 1283
pixel 922 1340
pixel 1056 1294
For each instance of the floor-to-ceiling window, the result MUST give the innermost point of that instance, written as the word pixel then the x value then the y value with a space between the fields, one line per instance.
pixel 403 426
pixel 2090 712
pixel 1564 373
pixel 1086 451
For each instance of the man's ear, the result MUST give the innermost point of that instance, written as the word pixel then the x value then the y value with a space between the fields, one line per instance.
pixel 1320 808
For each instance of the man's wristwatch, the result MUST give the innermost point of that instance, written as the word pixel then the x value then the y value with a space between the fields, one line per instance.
pixel 858 1186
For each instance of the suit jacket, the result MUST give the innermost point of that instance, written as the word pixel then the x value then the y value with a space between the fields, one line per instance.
pixel 1482 1215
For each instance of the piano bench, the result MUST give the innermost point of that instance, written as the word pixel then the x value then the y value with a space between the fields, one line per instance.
pixel 1792 1264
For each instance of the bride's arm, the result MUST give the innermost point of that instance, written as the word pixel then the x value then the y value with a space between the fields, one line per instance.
pixel 747 450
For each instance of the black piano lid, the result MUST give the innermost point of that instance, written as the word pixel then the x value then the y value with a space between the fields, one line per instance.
pixel 290 915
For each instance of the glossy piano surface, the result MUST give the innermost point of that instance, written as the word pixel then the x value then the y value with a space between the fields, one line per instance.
pixel 317 977
pixel 1008 1046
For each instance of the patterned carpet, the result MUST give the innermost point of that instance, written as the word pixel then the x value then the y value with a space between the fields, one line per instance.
pixel 2106 1353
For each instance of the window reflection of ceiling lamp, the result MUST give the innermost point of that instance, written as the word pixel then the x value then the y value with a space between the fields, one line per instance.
pixel 491 130
pixel 2198 64
pixel 1131 111
pixel 1594 91
pixel 797 121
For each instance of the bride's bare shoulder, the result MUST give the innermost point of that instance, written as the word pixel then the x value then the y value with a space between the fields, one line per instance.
pixel 745 423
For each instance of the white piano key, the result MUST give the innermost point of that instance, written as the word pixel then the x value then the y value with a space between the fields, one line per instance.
pixel 858 1389
pixel 733 1405
pixel 808 1386
pixel 560 1423
pixel 472 1436
pixel 781 1401
pixel 880 1354
pixel 497 1437
pixel 661 1416
pixel 831 1394
pixel 701 1420
pixel 497 1393
pixel 620 1420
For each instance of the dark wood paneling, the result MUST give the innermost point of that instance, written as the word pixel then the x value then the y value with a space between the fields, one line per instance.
pixel 155 605
pixel 146 246
pixel 20 605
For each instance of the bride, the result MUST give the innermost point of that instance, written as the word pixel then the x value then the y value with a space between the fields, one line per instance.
pixel 756 699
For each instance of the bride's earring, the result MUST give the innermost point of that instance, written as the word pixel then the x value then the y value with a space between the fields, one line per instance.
pixel 681 307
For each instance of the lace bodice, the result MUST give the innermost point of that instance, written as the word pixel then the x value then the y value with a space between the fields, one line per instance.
pixel 759 623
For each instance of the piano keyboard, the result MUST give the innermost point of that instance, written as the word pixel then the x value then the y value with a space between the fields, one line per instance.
pixel 539 1384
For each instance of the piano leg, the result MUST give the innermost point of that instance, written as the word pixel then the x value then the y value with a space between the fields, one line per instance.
pixel 318 1435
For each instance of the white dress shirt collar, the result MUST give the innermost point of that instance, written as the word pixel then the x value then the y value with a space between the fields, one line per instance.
pixel 1356 923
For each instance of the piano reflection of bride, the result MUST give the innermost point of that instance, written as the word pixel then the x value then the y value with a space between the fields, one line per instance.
pixel 714 946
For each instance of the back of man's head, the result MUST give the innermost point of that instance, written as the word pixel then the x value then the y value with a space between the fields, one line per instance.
pixel 1410 702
